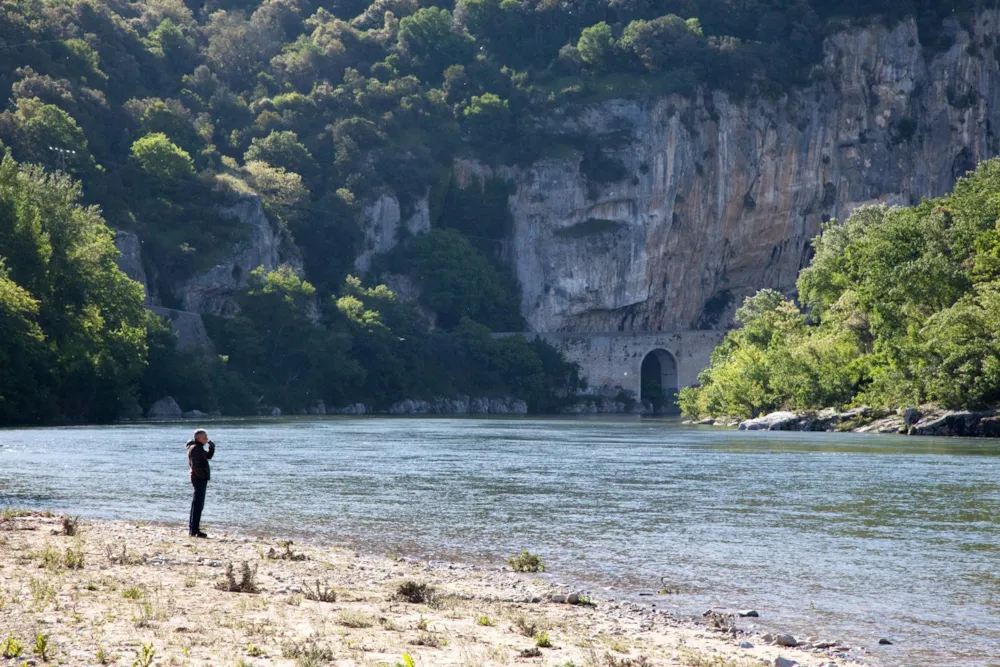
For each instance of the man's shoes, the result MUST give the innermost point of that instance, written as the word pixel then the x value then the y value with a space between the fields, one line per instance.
pixel 200 534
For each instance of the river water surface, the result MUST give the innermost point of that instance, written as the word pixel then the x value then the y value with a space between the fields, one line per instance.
pixel 844 536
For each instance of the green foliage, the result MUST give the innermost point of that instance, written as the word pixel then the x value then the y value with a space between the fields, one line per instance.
pixel 903 309
pixel 488 120
pixel 526 562
pixel 597 46
pixel 12 648
pixel 161 159
pixel 430 42
pixel 282 149
pixel 458 281
pixel 42 647
pixel 74 324
pixel 144 656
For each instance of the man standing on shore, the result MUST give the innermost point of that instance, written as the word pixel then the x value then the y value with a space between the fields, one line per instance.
pixel 200 474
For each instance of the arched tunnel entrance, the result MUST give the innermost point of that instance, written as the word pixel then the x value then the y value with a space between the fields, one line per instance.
pixel 658 383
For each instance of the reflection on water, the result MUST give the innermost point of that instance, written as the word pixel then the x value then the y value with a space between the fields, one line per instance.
pixel 847 536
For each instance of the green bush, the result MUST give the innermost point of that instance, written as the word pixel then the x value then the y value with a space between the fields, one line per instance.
pixel 902 306
pixel 161 159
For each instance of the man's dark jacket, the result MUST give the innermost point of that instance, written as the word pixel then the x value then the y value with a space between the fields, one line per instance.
pixel 198 460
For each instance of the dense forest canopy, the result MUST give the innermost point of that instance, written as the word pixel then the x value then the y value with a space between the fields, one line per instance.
pixel 900 306
pixel 165 111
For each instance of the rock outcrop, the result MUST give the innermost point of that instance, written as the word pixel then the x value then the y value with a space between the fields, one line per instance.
pixel 213 291
pixel 165 408
pixel 130 260
pixel 188 327
pixel 721 197
pixel 776 421
pixel 460 406
pixel 962 423
pixel 382 222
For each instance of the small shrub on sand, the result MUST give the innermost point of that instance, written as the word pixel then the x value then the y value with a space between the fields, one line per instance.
pixel 485 621
pixel 70 524
pixel 144 615
pixel 689 658
pixel 144 656
pixel 612 661
pixel 41 591
pixel 354 619
pixel 42 647
pixel 102 656
pixel 308 652
pixel 320 592
pixel 542 640
pixel 50 558
pixel 429 639
pixel 255 651
pixel 286 552
pixel 526 562
pixel 526 626
pixel 12 648
pixel 246 584
pixel 122 558
pixel 73 559
pixel 414 592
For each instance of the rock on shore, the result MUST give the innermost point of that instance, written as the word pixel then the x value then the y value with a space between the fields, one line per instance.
pixel 460 406
pixel 864 419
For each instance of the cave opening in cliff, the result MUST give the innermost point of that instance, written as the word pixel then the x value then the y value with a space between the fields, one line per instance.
pixel 659 381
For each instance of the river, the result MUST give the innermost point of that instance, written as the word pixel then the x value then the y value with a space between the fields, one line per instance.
pixel 844 536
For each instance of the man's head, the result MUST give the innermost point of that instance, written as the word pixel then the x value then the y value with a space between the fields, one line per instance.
pixel 201 436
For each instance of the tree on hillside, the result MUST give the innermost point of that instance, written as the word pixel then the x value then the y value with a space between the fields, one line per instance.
pixel 162 159
pixel 60 283
pixel 431 42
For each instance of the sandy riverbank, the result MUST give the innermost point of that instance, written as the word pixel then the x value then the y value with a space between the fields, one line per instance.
pixel 151 586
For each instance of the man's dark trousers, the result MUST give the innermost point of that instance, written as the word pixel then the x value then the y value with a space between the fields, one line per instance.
pixel 197 505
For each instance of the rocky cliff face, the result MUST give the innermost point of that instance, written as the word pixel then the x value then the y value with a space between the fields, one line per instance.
pixel 213 291
pixel 723 196
pixel 382 223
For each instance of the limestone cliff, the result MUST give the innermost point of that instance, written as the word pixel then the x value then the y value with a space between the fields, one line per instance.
pixel 382 223
pixel 723 196
pixel 214 291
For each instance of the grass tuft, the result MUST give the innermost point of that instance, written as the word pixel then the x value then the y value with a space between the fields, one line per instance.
pixel 354 619
pixel 320 592
pixel 246 584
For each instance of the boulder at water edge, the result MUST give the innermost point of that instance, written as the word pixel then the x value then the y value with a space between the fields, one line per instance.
pixel 776 421
pixel 164 408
